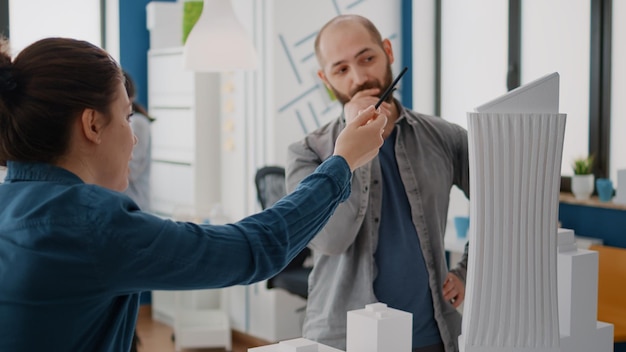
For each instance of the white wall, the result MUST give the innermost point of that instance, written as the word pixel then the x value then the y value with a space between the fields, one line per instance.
pixel 112 15
pixel 424 56
pixel 32 20
pixel 474 65
pixel 474 55
pixel 474 59
pixel 242 117
pixel 552 41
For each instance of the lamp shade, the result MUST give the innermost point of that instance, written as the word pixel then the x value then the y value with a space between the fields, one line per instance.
pixel 218 42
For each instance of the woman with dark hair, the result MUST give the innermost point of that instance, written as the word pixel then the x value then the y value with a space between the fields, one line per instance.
pixel 75 252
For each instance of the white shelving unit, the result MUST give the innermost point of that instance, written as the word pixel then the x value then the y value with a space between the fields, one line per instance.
pixel 185 136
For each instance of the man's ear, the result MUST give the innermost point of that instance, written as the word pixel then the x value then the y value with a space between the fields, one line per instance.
pixel 91 125
pixel 322 76
pixel 388 50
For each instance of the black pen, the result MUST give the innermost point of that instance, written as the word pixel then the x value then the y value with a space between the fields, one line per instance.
pixel 391 88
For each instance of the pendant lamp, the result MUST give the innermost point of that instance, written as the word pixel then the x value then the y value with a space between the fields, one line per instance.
pixel 218 42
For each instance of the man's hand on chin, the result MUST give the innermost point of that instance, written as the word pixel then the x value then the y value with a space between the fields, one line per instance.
pixel 361 100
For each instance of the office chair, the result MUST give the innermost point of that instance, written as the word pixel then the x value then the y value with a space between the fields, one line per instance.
pixel 270 186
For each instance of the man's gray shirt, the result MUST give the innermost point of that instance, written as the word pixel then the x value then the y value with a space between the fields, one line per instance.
pixel 432 156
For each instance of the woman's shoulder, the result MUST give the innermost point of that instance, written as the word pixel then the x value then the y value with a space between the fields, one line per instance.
pixel 101 201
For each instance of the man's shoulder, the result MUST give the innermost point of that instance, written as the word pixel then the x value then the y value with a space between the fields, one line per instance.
pixel 432 121
pixel 413 115
pixel 319 143
pixel 325 134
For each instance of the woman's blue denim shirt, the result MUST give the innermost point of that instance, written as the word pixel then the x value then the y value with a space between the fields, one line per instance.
pixel 74 256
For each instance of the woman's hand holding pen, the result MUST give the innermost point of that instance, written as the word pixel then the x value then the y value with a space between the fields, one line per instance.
pixel 361 139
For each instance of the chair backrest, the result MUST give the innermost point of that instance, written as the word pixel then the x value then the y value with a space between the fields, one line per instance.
pixel 270 185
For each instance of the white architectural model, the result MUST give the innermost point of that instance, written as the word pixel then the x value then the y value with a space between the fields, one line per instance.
pixel 376 328
pixel 511 291
pixel 379 328
pixel 515 301
pixel 578 294
pixel 295 345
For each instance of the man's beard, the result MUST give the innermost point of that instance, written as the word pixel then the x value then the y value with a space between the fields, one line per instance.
pixel 344 98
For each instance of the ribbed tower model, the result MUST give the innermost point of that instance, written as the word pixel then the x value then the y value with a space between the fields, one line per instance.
pixel 515 168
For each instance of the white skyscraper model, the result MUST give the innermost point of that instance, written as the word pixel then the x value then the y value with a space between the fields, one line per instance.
pixel 527 288
pixel 511 299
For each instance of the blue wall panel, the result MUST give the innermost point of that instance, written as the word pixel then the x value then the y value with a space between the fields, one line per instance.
pixel 607 224
pixel 407 52
pixel 134 44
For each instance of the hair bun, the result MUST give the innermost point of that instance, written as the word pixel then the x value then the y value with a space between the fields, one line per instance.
pixel 7 79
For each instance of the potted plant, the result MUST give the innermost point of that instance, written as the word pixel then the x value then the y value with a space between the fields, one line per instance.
pixel 583 179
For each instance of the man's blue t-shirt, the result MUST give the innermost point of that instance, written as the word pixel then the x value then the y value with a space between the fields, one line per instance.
pixel 402 280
